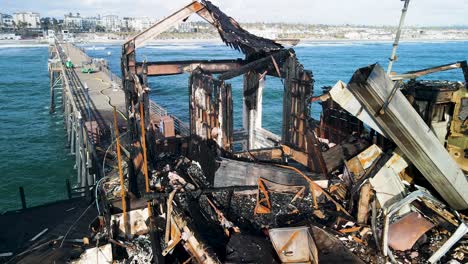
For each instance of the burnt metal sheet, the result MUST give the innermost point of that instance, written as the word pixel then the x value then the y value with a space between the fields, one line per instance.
pixel 371 86
pixel 235 36
pixel 403 234
pixel 294 244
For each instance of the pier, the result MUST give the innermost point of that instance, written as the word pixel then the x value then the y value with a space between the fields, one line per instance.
pixel 89 94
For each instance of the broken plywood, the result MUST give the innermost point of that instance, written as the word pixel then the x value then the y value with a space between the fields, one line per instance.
pixel 387 183
pixel 136 222
pixel 363 161
pixel 101 254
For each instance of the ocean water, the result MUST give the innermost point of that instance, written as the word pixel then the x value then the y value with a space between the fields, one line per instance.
pixel 32 142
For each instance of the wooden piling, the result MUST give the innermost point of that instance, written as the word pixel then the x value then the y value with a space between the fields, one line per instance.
pixel 23 197
pixel 68 187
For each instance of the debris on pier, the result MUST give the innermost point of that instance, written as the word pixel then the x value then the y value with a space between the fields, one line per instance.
pixel 379 178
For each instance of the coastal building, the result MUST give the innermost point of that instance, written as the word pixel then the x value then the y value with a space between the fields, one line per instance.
pixel 30 19
pixel 127 23
pixel 186 27
pixel 7 21
pixel 111 23
pixel 71 21
pixel 89 23
pixel 141 23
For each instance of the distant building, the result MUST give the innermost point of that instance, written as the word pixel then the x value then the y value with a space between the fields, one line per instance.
pixel 142 23
pixel 127 23
pixel 71 21
pixel 7 22
pixel 89 24
pixel 111 23
pixel 31 19
pixel 185 27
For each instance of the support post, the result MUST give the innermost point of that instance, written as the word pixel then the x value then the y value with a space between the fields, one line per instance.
pixel 397 37
pixel 253 88
pixel 52 92
pixel 23 198
pixel 68 186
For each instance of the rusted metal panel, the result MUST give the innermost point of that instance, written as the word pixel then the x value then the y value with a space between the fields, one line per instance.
pixel 404 233
pixel 371 86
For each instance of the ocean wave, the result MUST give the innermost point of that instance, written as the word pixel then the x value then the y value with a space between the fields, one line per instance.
pixel 329 44
pixel 95 48
pixel 12 46
pixel 175 47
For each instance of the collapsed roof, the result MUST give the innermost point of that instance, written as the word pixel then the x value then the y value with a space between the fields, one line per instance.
pixel 235 36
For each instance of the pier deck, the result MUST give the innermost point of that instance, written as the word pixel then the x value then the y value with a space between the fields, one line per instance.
pixel 104 89
pixel 89 94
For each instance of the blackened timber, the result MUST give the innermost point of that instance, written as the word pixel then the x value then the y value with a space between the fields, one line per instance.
pixel 464 66
pixel 235 173
pixel 235 36
pixel 257 65
pixel 179 67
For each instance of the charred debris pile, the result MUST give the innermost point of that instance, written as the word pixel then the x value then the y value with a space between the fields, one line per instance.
pixel 379 178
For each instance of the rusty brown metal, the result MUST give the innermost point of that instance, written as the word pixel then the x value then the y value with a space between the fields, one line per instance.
pixel 404 233
pixel 263 205
pixel 179 67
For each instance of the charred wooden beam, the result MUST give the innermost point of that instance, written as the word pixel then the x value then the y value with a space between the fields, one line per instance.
pixel 165 24
pixel 179 67
pixel 416 74
pixel 257 65
pixel 298 86
pixel 211 109
pixel 235 36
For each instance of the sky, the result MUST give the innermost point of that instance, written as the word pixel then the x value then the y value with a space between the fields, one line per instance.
pixel 357 12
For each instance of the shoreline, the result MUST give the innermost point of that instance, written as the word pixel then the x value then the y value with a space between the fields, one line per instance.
pixel 37 42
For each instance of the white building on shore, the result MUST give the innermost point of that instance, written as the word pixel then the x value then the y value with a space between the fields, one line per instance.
pixel 7 22
pixel 111 23
pixel 71 21
pixel 142 23
pixel 31 19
